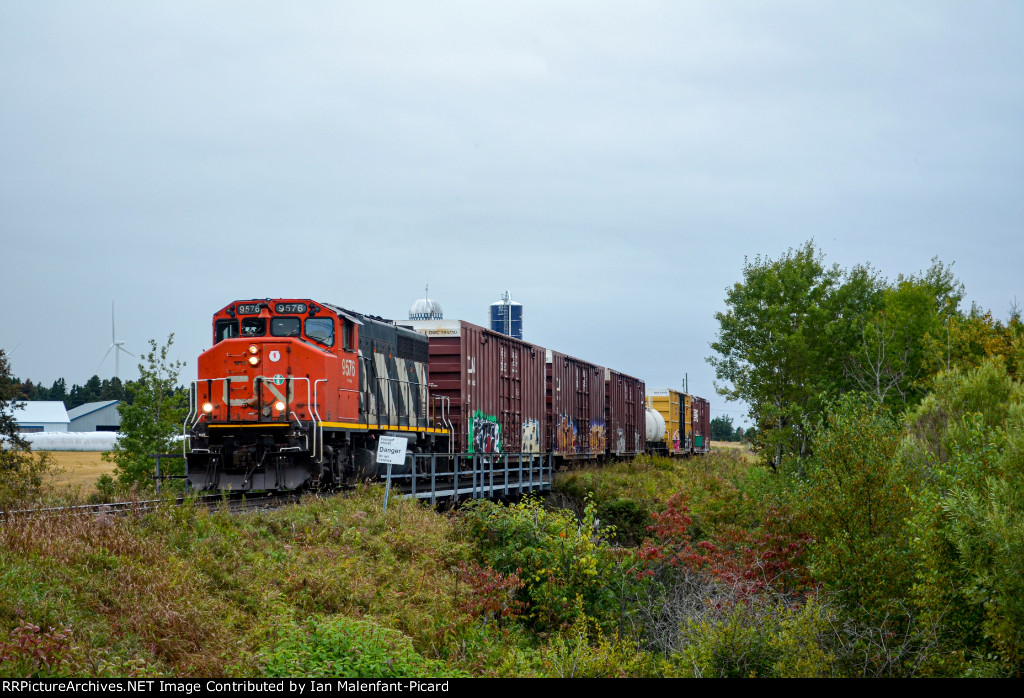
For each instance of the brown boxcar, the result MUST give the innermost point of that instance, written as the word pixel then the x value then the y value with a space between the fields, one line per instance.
pixel 624 414
pixel 575 427
pixel 701 425
pixel 488 386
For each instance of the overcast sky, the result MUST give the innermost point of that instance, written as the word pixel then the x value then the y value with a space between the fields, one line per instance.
pixel 609 163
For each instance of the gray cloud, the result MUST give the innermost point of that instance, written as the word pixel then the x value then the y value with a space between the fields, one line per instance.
pixel 611 164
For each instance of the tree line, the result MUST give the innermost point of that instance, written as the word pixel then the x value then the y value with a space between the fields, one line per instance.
pixel 723 430
pixel 94 390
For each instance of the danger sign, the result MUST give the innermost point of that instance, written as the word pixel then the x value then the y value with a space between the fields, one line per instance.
pixel 391 449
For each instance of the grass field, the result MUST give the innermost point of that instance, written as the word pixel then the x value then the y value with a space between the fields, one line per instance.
pixel 80 468
pixel 733 447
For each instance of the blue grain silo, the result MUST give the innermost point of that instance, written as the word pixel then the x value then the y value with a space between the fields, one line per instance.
pixel 507 316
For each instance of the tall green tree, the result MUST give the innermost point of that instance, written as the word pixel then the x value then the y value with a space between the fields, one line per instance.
pixel 10 394
pixel 151 421
pixel 59 391
pixel 721 429
pixel 895 355
pixel 783 339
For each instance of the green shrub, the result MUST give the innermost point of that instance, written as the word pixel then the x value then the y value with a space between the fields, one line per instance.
pixel 564 564
pixel 763 637
pixel 341 647
pixel 856 503
pixel 583 651
pixel 628 517
pixel 968 437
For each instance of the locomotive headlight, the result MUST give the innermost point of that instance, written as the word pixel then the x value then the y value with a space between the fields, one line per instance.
pixel 207 407
pixel 279 406
pixel 254 360
pixel 253 349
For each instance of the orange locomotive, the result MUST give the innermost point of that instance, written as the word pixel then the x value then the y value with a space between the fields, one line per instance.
pixel 295 393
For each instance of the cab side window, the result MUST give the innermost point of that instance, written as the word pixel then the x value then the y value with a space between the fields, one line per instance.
pixel 225 329
pixel 320 329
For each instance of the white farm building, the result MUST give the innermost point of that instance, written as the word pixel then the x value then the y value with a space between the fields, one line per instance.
pixel 41 415
pixel 95 416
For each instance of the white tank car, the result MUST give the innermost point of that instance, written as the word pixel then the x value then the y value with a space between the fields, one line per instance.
pixel 655 426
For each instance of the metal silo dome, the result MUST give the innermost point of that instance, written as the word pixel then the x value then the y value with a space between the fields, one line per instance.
pixel 426 309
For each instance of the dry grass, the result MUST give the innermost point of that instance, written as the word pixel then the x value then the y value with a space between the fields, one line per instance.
pixel 188 592
pixel 734 447
pixel 79 469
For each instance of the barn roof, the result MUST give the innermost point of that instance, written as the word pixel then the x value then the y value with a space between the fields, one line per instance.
pixel 89 408
pixel 42 412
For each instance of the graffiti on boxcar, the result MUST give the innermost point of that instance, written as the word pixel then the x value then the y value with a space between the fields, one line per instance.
pixel 531 436
pixel 598 440
pixel 566 435
pixel 620 441
pixel 485 433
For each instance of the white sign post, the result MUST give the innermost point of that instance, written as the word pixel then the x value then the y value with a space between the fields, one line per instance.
pixel 391 450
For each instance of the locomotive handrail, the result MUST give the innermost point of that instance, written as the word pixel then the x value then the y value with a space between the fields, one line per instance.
pixel 194 414
pixel 319 427
pixel 193 409
pixel 442 400
pixel 192 402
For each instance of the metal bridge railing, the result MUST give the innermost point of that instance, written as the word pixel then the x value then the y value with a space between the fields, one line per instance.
pixel 476 476
pixel 437 476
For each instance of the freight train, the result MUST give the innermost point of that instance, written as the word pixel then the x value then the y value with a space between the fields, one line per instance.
pixel 296 393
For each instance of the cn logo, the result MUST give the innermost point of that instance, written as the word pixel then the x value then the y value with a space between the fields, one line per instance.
pixel 275 356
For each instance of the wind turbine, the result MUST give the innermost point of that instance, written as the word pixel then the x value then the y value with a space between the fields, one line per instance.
pixel 114 344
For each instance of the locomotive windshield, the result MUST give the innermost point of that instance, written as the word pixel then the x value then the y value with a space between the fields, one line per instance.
pixel 285 326
pixel 254 327
pixel 320 329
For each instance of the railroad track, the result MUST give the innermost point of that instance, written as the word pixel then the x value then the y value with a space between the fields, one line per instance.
pixel 480 477
pixel 235 503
